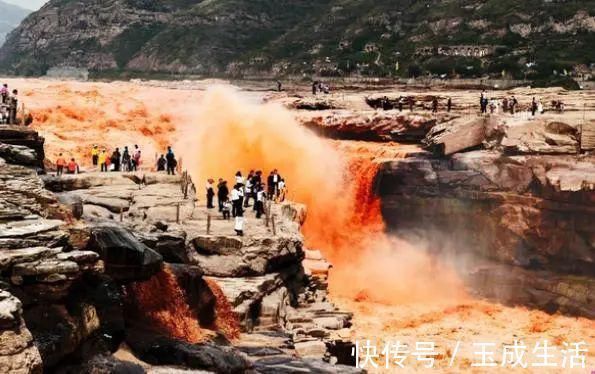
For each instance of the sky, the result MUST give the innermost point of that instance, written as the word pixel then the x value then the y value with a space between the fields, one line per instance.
pixel 28 4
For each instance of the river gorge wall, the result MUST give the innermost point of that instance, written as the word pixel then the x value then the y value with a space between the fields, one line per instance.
pixel 518 228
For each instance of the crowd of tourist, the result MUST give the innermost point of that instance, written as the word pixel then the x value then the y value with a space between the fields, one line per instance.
pixel 234 202
pixel 486 105
pixel 124 160
pixel 9 102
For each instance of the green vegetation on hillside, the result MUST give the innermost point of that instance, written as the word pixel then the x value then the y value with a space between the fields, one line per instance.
pixel 535 39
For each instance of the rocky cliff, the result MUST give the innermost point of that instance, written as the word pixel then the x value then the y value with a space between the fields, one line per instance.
pixel 510 215
pixel 96 264
pixel 232 37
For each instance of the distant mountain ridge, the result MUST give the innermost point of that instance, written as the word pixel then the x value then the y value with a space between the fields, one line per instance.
pixel 529 38
pixel 10 17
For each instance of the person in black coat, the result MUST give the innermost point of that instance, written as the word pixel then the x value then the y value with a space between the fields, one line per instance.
pixel 161 163
pixel 210 193
pixel 171 161
pixel 115 159
pixel 271 185
pixel 222 193
pixel 256 181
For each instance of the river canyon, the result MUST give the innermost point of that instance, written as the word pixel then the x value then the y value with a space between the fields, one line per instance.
pixel 491 243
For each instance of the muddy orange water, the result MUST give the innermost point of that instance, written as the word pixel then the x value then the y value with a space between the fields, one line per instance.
pixel 161 302
pixel 395 291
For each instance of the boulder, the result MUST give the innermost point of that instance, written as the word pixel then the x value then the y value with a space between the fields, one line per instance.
pixel 255 300
pixel 451 137
pixel 74 203
pixel 125 257
pixel 540 137
pixel 58 331
pixel 19 155
pixel 24 136
pixel 314 348
pixel 228 256
pixel 160 350
pixel 18 353
pixel 171 245
pixel 95 213
pixel 104 364
pixel 114 205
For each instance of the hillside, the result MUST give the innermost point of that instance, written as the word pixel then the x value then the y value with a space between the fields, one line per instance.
pixel 531 38
pixel 10 17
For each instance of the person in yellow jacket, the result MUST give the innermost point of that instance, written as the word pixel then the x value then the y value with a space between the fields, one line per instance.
pixel 102 158
pixel 95 155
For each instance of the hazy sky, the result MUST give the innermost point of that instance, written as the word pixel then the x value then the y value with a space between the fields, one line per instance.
pixel 28 4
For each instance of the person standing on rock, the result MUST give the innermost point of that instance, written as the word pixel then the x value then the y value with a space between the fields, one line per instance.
pixel 135 158
pixel 400 102
pixel 95 155
pixel 116 159
pixel 282 190
pixel 72 167
pixel 411 102
pixel 222 193
pixel 236 201
pixel 249 189
pixel 239 178
pixel 513 103
pixel 161 163
pixel 259 203
pixel 314 87
pixel 210 193
pixel 226 209
pixel 171 161
pixel 533 106
pixel 102 160
pixel 505 105
pixel 276 180
pixel 239 225
pixel 256 181
pixel 449 105
pixel 4 94
pixel 435 104
pixel 12 109
pixel 126 160
pixel 271 185
pixel 60 164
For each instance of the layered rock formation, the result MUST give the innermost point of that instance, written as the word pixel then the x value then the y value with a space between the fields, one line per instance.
pixel 91 261
pixel 513 214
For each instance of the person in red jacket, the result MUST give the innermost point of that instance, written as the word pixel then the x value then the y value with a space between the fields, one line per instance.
pixel 60 164
pixel 72 167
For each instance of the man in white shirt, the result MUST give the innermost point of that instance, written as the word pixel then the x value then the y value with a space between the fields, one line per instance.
pixel 236 201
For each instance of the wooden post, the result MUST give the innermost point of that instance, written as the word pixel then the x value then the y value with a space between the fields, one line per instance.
pixel 267 212
pixel 274 227
pixel 209 224
pixel 178 213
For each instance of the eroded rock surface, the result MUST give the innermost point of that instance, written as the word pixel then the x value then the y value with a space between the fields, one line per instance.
pixel 531 212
